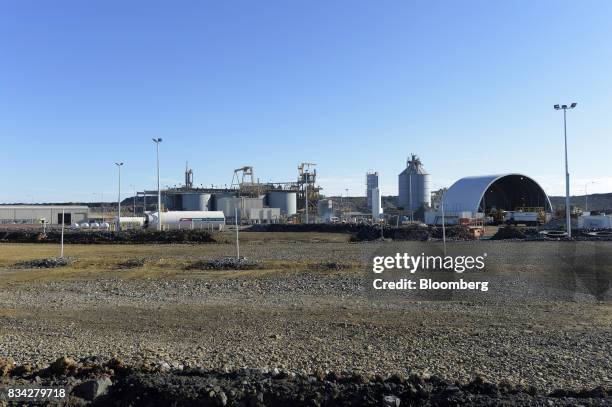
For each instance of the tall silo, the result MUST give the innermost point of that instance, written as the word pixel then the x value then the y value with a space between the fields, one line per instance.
pixel 371 183
pixel 414 186
pixel 376 204
pixel 286 201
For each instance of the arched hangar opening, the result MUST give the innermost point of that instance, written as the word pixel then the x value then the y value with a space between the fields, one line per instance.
pixel 486 194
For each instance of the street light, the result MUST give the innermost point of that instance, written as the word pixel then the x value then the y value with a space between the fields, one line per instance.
pixel 159 219
pixel 119 165
pixel 134 189
pixel 568 219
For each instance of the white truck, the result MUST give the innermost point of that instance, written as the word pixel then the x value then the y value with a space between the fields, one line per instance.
pixel 522 218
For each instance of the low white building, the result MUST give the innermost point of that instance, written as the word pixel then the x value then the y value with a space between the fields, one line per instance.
pixel 595 222
pixel 35 214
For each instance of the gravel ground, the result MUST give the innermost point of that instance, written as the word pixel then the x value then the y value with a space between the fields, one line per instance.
pixel 543 323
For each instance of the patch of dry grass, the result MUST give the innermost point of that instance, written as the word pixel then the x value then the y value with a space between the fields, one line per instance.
pixel 161 261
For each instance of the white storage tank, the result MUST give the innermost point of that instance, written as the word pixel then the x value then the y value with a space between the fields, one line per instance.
pixel 196 202
pixel 414 186
pixel 229 205
pixel 130 222
pixel 186 220
pixel 286 201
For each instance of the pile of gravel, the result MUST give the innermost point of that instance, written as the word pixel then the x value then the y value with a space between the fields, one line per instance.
pixel 361 233
pixel 136 236
pixel 333 265
pixel 225 263
pixel 512 232
pixel 112 382
pixel 51 262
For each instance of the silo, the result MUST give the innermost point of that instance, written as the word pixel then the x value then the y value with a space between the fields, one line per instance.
pixel 376 204
pixel 414 185
pixel 286 201
pixel 195 202
pixel 371 183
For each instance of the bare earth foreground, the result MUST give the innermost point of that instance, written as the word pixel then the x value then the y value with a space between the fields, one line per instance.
pixel 310 310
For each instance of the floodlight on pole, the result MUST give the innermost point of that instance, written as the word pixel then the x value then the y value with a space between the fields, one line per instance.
pixel 134 206
pixel 159 217
pixel 568 219
pixel 118 226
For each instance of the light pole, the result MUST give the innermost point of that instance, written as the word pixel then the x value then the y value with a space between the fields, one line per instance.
pixel 568 218
pixel 118 227
pixel 134 206
pixel 347 204
pixel 443 225
pixel 159 218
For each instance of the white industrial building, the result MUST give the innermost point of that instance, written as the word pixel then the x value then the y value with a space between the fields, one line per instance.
pixel 476 197
pixel 52 214
pixel 588 221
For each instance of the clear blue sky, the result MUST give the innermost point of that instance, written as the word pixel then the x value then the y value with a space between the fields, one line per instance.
pixel 351 85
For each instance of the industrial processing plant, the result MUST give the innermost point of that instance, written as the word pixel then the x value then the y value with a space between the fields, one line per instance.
pixel 474 202
pixel 246 199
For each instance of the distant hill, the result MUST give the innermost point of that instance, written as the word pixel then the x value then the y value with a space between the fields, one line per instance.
pixel 597 202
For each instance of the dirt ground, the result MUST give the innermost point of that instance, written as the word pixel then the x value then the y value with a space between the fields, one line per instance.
pixel 310 307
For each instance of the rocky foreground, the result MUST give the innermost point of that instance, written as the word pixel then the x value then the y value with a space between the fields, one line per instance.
pixel 97 382
pixel 140 328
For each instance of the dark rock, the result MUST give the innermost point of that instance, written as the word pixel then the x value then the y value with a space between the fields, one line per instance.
pixel 391 401
pixel 92 389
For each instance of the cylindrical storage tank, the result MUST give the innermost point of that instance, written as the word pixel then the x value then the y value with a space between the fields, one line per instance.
pixel 195 202
pixel 325 209
pixel 414 186
pixel 214 205
pixel 376 204
pixel 286 201
pixel 186 220
pixel 130 222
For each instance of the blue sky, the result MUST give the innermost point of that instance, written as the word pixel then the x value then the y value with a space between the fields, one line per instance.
pixel 350 85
